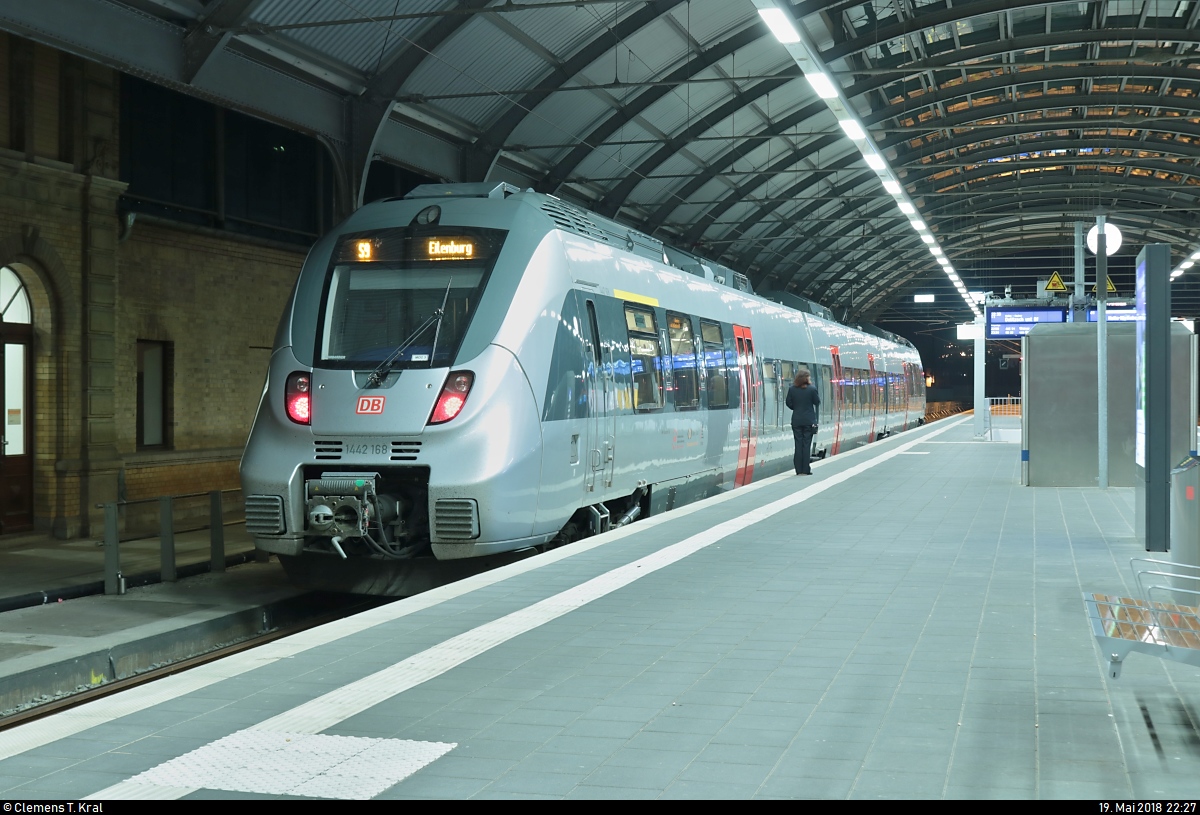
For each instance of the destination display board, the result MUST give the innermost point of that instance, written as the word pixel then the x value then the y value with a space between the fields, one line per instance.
pixel 1007 323
pixel 1114 315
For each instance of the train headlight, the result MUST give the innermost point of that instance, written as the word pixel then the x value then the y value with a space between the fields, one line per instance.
pixel 298 397
pixel 453 396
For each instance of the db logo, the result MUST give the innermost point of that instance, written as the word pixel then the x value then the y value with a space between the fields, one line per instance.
pixel 370 404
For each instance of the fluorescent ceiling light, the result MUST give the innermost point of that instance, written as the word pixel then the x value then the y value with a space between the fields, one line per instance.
pixel 891 187
pixel 937 250
pixel 907 208
pixel 945 261
pixel 927 238
pixel 779 24
pixel 821 83
pixel 875 161
pixel 922 298
pixel 1187 264
pixel 1195 255
pixel 853 129
pixel 917 223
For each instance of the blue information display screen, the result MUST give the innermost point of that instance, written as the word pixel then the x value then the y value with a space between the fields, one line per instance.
pixel 1006 323
pixel 1114 315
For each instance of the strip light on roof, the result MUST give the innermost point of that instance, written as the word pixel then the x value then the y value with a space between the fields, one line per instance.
pixel 780 24
pixel 1187 263
pixel 821 84
pixel 853 129
pixel 778 17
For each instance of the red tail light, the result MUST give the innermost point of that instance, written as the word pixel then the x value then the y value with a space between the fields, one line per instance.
pixel 453 396
pixel 297 397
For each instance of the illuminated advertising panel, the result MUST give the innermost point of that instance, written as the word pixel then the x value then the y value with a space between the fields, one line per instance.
pixel 1139 378
pixel 1005 323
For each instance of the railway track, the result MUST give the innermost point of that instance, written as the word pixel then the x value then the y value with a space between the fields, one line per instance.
pixel 334 607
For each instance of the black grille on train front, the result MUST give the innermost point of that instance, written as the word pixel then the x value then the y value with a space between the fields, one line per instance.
pixel 264 515
pixel 328 450
pixel 405 450
pixel 456 519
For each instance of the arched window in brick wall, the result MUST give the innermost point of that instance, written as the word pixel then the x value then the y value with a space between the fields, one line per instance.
pixel 16 396
pixel 14 301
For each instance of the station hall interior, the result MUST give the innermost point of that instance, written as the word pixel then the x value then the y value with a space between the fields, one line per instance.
pixel 906 167
pixel 170 162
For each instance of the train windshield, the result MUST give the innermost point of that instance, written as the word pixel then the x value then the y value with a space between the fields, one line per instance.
pixel 385 289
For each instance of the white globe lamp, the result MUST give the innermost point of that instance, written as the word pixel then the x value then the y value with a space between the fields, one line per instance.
pixel 1112 239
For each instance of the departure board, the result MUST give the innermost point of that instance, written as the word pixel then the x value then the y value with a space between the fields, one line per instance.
pixel 1114 315
pixel 1008 323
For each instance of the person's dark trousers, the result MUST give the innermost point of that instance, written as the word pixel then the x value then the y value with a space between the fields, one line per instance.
pixel 804 437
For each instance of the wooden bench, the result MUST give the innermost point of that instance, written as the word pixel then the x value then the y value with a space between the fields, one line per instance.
pixel 1164 629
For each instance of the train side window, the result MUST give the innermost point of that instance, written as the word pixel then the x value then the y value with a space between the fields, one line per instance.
pixel 644 358
pixel 683 360
pixel 770 395
pixel 714 364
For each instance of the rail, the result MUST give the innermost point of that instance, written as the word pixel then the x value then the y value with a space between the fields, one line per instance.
pixel 114 580
pixel 940 410
pixel 1003 418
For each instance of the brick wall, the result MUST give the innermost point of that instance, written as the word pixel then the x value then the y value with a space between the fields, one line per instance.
pixel 218 302
pixel 216 299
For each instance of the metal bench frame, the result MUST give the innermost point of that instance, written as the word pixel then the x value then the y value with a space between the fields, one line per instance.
pixel 1163 629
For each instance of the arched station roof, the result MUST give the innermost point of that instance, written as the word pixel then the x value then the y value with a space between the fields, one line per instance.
pixel 1005 121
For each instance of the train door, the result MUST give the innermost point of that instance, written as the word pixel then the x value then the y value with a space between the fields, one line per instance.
pixel 907 368
pixel 836 388
pixel 601 422
pixel 873 395
pixel 748 421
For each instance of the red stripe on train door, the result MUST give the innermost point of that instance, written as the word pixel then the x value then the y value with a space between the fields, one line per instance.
pixel 748 418
pixel 836 387
pixel 873 391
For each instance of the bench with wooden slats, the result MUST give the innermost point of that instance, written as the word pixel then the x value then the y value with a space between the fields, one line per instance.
pixel 1125 624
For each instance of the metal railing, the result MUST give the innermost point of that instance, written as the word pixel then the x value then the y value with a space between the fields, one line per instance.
pixel 114 580
pixel 1003 418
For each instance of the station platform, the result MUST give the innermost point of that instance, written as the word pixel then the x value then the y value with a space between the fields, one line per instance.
pixel 907 623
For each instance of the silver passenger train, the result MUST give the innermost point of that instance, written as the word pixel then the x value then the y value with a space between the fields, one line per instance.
pixel 473 370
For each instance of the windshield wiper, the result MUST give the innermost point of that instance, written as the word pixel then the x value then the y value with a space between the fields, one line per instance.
pixel 384 368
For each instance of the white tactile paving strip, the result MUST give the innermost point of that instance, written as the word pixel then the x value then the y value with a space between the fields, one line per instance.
pixel 332 708
pixel 315 766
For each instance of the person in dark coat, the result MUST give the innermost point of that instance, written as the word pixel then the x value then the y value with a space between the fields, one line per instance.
pixel 803 399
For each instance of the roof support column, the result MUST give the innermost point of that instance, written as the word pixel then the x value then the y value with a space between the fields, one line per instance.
pixel 364 120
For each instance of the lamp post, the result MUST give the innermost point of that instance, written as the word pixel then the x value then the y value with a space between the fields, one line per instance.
pixel 1099 239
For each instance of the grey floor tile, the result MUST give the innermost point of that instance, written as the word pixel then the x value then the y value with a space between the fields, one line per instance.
pixel 807 788
pixel 535 783
pixel 590 792
pixel 688 789
pixel 420 785
pixel 898 785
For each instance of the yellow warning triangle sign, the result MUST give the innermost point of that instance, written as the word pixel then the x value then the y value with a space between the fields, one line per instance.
pixel 1055 283
pixel 1110 288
